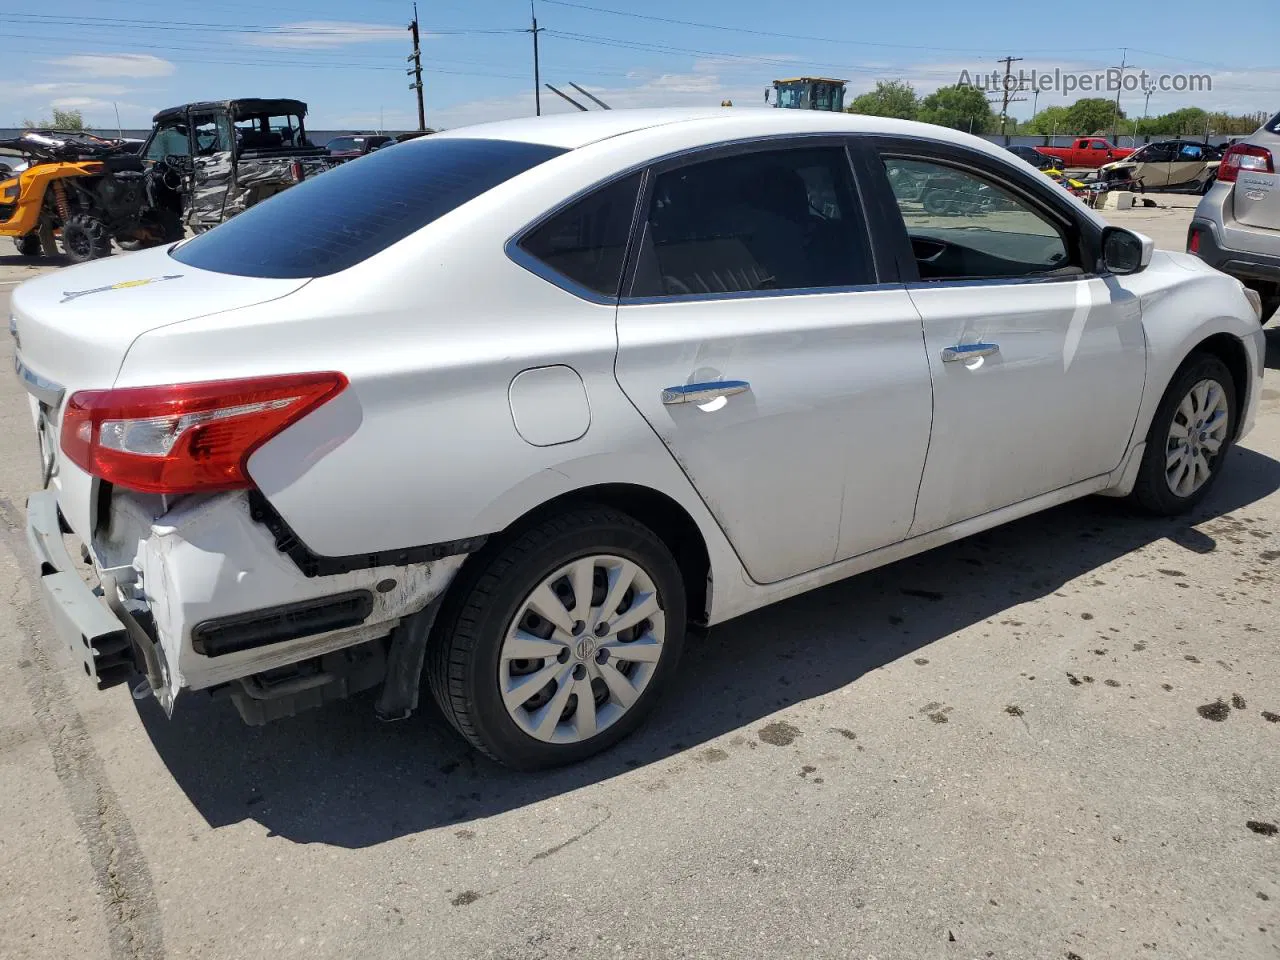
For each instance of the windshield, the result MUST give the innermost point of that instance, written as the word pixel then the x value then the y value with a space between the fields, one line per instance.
pixel 789 95
pixel 348 214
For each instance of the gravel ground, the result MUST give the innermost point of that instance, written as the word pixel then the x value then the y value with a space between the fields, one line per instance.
pixel 1058 739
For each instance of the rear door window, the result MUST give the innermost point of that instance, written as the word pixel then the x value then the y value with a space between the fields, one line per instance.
pixel 586 242
pixel 772 220
pixel 336 220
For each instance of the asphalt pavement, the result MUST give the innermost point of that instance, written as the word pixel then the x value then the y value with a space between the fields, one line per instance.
pixel 1059 739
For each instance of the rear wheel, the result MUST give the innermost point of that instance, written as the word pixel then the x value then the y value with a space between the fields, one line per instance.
pixel 28 246
pixel 85 238
pixel 1189 437
pixel 559 644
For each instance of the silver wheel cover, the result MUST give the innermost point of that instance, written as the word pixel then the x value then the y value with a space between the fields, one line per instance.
pixel 581 649
pixel 1196 436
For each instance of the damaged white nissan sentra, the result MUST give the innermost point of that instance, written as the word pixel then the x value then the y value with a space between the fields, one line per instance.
pixel 511 407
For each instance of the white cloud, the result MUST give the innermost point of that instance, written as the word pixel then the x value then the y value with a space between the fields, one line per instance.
pixel 323 33
pixel 23 91
pixel 115 65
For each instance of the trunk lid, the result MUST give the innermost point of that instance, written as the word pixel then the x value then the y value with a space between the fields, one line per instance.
pixel 1257 200
pixel 72 330
pixel 74 327
pixel 1256 196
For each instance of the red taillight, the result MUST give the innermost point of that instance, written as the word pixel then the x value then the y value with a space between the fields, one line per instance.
pixel 186 437
pixel 1193 241
pixel 1244 157
pixel 295 169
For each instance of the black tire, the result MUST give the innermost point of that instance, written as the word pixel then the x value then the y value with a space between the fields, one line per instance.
pixel 463 661
pixel 1152 491
pixel 85 238
pixel 28 246
pixel 936 203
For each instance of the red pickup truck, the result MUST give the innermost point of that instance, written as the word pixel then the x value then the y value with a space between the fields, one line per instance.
pixel 1086 152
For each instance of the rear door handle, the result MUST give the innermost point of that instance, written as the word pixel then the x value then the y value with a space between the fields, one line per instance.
pixel 967 351
pixel 703 392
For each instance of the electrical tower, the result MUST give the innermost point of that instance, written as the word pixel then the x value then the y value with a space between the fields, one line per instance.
pixel 416 70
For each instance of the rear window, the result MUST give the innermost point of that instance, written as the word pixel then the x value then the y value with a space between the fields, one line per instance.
pixel 348 214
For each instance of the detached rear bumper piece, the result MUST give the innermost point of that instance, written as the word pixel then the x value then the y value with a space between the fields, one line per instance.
pixel 96 637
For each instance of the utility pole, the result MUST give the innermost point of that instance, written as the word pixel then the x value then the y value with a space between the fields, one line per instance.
pixel 1115 113
pixel 1149 89
pixel 1006 95
pixel 416 70
pixel 537 82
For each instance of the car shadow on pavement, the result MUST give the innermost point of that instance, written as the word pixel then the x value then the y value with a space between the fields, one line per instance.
pixel 337 776
pixel 18 260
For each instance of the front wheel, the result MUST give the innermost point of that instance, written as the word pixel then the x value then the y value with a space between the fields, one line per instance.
pixel 85 238
pixel 1189 437
pixel 29 245
pixel 557 645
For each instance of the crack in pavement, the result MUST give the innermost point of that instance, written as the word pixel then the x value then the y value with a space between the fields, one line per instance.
pixel 552 851
pixel 120 870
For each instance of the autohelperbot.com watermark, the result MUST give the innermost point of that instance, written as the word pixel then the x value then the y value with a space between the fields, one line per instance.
pixel 1068 82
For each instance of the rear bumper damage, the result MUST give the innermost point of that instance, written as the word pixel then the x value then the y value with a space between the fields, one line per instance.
pixel 199 596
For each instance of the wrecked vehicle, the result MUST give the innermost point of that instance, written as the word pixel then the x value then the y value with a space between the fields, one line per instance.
pixel 86 192
pixel 1170 166
pixel 233 154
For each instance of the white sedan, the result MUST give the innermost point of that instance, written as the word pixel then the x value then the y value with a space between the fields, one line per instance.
pixel 511 407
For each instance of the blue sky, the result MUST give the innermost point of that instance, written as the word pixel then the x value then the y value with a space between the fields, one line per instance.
pixel 347 59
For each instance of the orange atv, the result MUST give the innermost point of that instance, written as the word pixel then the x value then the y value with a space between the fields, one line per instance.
pixel 87 192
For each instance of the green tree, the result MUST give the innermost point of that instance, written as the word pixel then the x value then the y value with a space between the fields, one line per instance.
pixel 961 107
pixel 890 98
pixel 62 120
pixel 1092 115
pixel 1048 121
pixel 1188 121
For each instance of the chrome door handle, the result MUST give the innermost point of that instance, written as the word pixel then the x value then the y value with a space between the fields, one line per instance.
pixel 703 392
pixel 967 351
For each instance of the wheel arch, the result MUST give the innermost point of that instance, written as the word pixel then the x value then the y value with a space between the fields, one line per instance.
pixel 1231 351
pixel 658 511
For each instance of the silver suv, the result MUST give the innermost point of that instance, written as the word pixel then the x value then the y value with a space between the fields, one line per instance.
pixel 1236 227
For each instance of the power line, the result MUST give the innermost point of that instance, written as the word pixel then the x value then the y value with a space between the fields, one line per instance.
pixel 286 30
pixel 791 36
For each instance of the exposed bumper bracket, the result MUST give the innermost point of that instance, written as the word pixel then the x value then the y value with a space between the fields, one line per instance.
pixel 96 637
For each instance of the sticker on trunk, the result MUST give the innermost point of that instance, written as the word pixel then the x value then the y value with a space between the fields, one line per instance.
pixel 69 295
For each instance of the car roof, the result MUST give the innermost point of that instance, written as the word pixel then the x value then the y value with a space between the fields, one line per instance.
pixel 574 130
pixel 244 106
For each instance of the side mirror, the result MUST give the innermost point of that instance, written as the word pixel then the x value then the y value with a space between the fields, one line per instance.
pixel 1124 251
